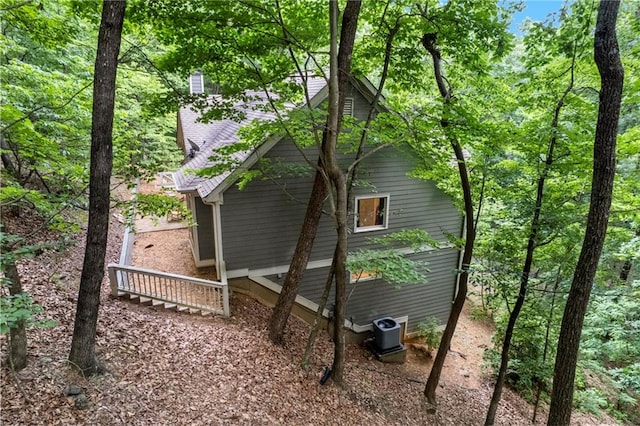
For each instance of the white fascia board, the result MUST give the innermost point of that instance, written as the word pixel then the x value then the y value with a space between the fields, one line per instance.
pixel 237 273
pixel 280 269
pixel 315 264
pixel 182 190
pixel 319 97
pixel 277 288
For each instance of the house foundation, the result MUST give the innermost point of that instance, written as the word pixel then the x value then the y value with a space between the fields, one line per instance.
pixel 269 297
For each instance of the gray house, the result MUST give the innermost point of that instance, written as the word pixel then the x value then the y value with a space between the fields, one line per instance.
pixel 250 234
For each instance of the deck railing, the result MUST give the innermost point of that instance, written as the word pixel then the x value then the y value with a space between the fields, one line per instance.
pixel 190 292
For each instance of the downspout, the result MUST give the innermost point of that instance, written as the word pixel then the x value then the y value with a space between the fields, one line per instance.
pixel 193 233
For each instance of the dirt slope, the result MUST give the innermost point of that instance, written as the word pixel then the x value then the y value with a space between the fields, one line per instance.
pixel 168 368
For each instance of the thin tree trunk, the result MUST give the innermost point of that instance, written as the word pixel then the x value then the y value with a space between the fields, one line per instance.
pixel 607 58
pixel 340 277
pixel 300 259
pixel 82 354
pixel 317 320
pixel 339 182
pixel 627 265
pixel 298 265
pixel 18 334
pixel 545 351
pixel 350 179
pixel 528 262
pixel 429 43
pixel 624 271
pixel 7 162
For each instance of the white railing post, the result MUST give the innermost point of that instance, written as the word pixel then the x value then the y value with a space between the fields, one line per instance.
pixel 225 290
pixel 225 300
pixel 113 279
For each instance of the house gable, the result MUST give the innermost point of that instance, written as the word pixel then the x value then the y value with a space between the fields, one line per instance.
pixel 209 137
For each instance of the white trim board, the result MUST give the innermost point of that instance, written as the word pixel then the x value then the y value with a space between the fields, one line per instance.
pixel 314 264
pixel 303 301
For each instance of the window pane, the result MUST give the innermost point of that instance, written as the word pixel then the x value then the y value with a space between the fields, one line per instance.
pixel 363 276
pixel 380 210
pixel 366 212
pixel 371 212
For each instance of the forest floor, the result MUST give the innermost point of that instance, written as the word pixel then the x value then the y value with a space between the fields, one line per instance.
pixel 171 368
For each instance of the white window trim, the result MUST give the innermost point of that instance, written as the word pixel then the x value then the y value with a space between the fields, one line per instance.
pixel 356 228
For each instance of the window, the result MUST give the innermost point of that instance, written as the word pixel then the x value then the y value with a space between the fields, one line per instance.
pixel 363 276
pixel 371 213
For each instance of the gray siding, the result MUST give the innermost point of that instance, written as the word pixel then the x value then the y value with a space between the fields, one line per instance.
pixel 360 104
pixel 204 220
pixel 376 298
pixel 261 224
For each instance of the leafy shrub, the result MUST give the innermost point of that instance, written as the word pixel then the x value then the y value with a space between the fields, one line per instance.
pixel 20 308
pixel 529 366
pixel 590 400
pixel 628 377
pixel 429 333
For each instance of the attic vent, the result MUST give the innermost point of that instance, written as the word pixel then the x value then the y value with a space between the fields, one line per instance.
pixel 196 83
pixel 348 107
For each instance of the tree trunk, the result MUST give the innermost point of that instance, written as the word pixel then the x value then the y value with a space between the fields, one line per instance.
pixel 317 320
pixel 17 335
pixel 7 162
pixel 300 259
pixel 607 58
pixel 82 353
pixel 627 265
pixel 429 43
pixel 340 183
pixel 547 333
pixel 624 271
pixel 352 175
pixel 526 268
pixel 298 265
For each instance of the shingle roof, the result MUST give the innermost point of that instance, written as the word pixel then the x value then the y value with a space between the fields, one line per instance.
pixel 220 133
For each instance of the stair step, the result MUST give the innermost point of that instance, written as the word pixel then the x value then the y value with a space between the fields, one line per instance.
pixel 146 301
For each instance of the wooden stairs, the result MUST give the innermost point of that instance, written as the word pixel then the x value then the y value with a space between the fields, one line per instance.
pixel 161 305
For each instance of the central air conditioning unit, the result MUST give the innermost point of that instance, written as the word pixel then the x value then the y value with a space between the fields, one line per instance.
pixel 386 334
